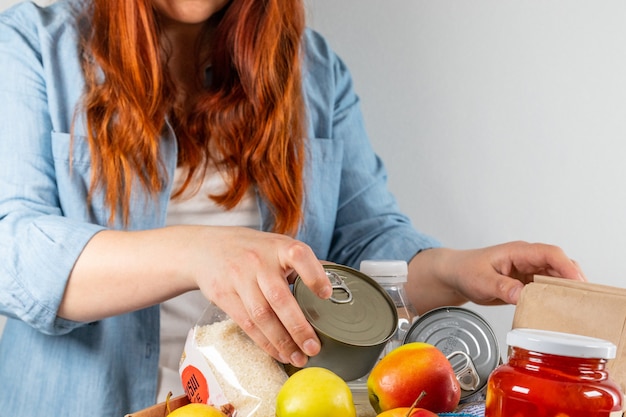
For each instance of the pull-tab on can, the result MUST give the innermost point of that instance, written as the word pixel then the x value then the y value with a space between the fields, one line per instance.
pixel 467 340
pixel 465 371
pixel 339 285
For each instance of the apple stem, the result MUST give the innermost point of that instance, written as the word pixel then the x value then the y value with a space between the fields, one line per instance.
pixel 167 403
pixel 417 400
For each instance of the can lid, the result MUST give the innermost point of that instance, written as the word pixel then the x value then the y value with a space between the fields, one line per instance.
pixel 465 338
pixel 563 344
pixel 359 312
pixel 385 271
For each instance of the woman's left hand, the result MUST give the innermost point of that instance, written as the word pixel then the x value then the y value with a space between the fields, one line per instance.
pixel 491 275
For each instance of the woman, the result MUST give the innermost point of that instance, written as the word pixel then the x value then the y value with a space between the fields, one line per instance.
pixel 119 119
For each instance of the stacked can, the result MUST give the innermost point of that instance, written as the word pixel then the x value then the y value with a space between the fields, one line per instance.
pixel 467 340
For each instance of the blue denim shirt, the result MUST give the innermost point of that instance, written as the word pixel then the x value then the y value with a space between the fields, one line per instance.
pixel 52 366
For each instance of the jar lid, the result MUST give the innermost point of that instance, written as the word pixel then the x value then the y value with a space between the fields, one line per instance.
pixel 385 271
pixel 563 344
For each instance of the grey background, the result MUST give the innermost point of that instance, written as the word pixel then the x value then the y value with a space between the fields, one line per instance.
pixel 498 119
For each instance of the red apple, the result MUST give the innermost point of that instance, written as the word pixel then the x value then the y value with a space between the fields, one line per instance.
pixel 404 412
pixel 407 371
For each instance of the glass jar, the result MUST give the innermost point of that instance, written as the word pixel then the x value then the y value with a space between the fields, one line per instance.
pixel 552 374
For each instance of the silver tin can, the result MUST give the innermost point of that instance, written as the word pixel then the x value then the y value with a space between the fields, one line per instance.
pixel 467 340
pixel 353 325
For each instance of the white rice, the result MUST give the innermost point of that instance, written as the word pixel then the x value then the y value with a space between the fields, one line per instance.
pixel 254 379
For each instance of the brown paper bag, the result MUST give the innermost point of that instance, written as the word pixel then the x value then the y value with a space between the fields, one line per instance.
pixel 580 308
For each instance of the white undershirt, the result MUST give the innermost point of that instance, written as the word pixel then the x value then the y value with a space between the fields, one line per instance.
pixel 181 313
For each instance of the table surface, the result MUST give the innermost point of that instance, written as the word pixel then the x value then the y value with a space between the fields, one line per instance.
pixel 363 406
pixel 365 410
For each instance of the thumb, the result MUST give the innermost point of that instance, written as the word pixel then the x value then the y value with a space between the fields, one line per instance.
pixel 512 291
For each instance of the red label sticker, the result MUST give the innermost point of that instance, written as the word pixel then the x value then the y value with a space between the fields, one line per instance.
pixel 195 385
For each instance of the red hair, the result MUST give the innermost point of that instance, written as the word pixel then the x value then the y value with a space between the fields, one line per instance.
pixel 249 122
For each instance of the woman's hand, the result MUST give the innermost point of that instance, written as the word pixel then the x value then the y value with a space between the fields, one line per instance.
pixel 244 272
pixel 491 275
pixel 248 277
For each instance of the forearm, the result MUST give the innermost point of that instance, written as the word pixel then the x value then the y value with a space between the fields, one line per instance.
pixel 121 271
pixel 428 286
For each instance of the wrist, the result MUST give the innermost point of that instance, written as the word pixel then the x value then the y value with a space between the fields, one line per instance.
pixel 433 279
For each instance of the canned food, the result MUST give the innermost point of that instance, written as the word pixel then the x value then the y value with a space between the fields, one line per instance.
pixel 467 340
pixel 353 325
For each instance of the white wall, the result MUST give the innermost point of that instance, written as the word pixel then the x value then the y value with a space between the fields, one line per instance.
pixel 498 119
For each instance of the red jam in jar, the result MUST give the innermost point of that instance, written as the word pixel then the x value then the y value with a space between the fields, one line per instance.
pixel 552 374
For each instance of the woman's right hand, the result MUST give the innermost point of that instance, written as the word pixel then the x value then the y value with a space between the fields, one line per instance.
pixel 244 272
pixel 248 273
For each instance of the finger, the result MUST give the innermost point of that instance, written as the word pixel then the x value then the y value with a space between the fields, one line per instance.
pixel 512 292
pixel 262 303
pixel 236 310
pixel 500 289
pixel 299 258
pixel 540 258
pixel 290 314
pixel 582 275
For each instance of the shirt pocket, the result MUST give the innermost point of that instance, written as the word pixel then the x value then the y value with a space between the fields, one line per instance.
pixel 72 164
pixel 323 179
pixel 63 147
pixel 325 158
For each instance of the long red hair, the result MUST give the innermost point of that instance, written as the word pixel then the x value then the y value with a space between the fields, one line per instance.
pixel 249 121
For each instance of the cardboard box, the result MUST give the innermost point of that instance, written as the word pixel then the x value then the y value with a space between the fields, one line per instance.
pixel 160 410
pixel 580 308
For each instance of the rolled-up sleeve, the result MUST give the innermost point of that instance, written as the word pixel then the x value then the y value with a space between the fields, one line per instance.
pixel 38 243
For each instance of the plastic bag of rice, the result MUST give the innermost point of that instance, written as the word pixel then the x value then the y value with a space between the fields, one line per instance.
pixel 222 366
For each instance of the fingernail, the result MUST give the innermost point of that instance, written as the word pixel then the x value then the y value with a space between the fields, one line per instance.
pixel 298 359
pixel 311 347
pixel 514 294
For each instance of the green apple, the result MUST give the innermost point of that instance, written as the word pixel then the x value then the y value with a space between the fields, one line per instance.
pixel 315 392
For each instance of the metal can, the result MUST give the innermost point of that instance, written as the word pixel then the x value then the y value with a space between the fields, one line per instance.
pixel 467 340
pixel 353 325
